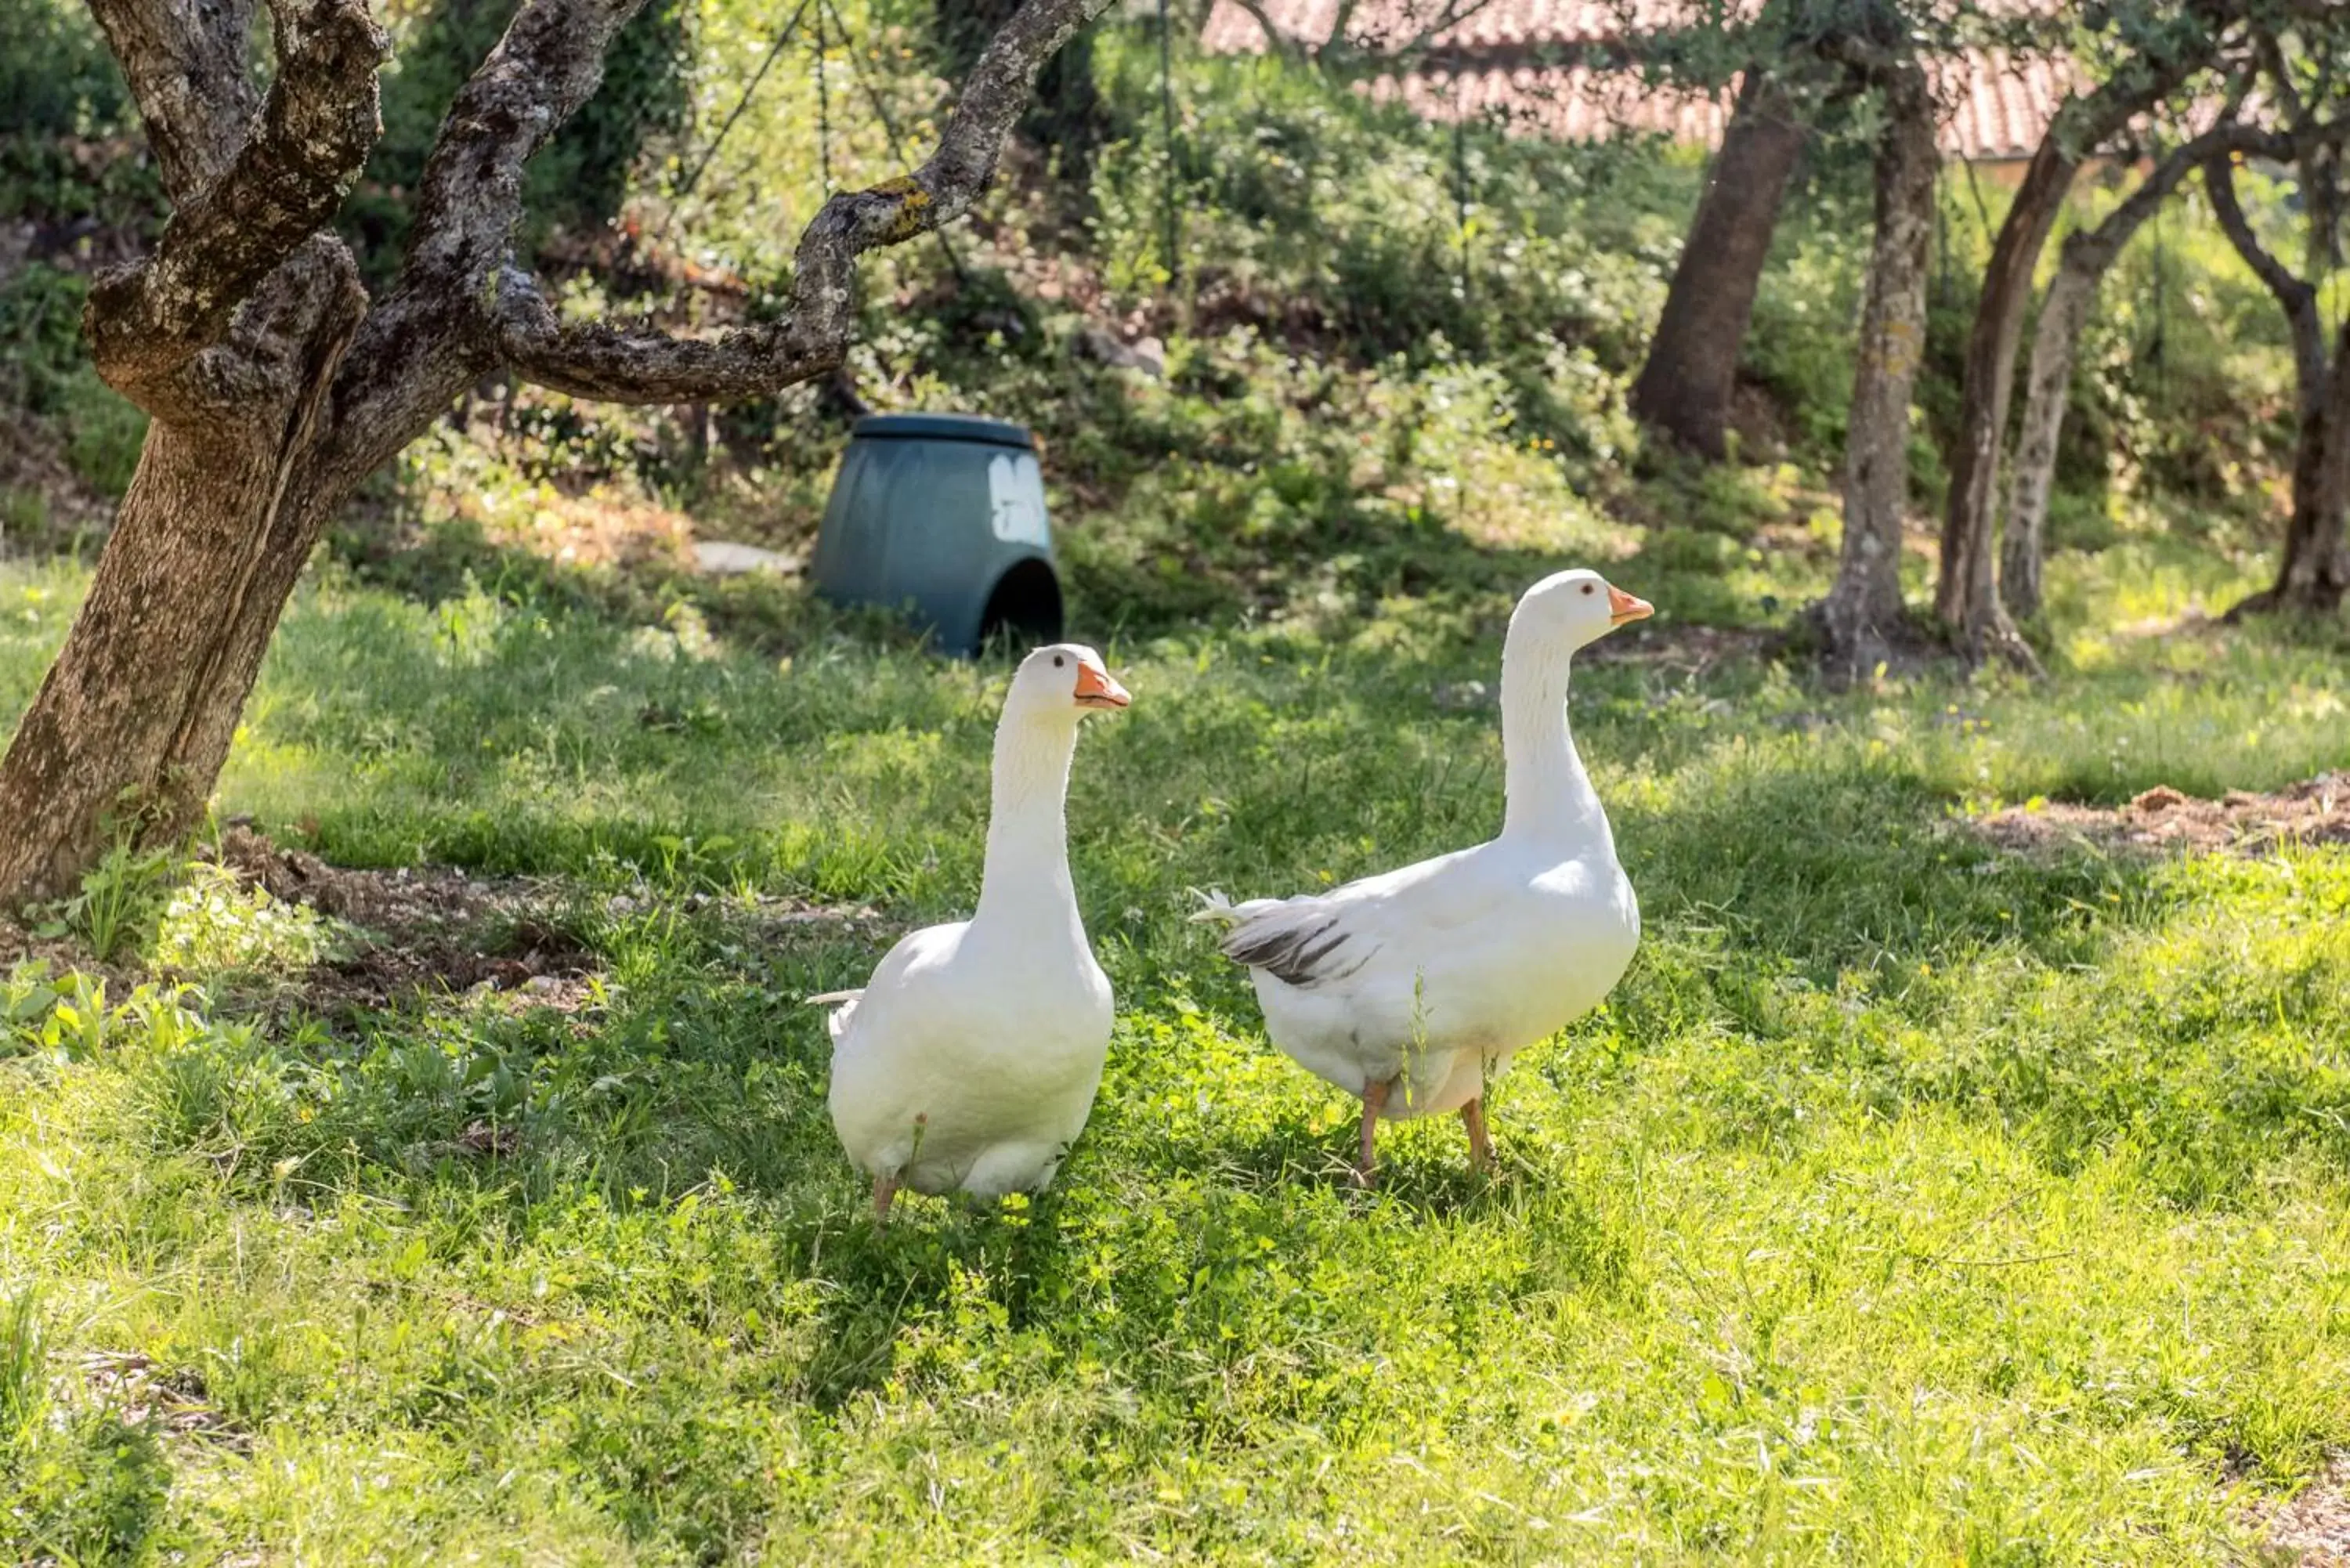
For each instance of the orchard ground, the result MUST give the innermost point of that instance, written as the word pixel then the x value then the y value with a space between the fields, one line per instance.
pixel 1925 1192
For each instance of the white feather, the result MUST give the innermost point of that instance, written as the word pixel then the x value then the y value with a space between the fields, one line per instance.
pixel 970 1058
pixel 1434 975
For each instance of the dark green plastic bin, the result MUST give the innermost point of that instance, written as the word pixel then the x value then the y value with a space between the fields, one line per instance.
pixel 943 513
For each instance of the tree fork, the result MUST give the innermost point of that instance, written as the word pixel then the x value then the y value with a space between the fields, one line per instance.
pixel 2314 575
pixel 2082 261
pixel 275 387
pixel 1966 595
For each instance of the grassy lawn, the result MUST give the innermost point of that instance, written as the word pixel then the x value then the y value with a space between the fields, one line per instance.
pixel 1911 1201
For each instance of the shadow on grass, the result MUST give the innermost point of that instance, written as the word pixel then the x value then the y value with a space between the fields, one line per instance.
pixel 1856 863
pixel 1145 577
pixel 770 613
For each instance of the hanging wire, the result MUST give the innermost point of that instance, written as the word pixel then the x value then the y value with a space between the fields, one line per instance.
pixel 2156 351
pixel 1167 106
pixel 1941 286
pixel 1461 183
pixel 744 102
pixel 1983 211
pixel 823 111
pixel 889 124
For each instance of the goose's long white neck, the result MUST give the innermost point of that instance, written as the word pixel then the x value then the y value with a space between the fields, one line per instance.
pixel 1026 880
pixel 1550 800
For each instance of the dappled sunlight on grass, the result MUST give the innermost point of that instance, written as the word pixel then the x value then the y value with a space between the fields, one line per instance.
pixel 1908 1193
pixel 2118 599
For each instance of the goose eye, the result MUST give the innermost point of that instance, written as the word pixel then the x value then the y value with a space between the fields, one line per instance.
pixel 1058 661
pixel 1586 587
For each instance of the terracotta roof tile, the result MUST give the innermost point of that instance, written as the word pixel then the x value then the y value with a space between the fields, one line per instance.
pixel 1995 106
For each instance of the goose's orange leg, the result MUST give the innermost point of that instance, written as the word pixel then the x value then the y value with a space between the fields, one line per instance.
pixel 1481 1147
pixel 885 1192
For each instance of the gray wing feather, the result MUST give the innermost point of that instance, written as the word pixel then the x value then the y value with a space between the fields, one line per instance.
pixel 1301 941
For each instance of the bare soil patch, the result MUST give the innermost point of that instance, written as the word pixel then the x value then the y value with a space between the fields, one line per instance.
pixel 174 1402
pixel 18 945
pixel 2312 1528
pixel 2316 810
pixel 435 930
pixel 1684 647
pixel 429 928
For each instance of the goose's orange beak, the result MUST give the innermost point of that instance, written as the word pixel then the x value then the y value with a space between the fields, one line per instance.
pixel 1096 689
pixel 1622 607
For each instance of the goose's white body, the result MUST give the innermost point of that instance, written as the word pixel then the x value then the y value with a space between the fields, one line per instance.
pixel 970 1058
pixel 970 1061
pixel 1464 960
pixel 1415 988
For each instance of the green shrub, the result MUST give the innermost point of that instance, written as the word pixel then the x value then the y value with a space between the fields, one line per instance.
pixel 40 335
pixel 575 181
pixel 69 132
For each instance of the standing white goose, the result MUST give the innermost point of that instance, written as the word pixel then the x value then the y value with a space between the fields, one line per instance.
pixel 1413 988
pixel 969 1059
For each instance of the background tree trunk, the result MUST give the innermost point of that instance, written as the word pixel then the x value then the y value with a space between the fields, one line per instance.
pixel 1863 621
pixel 2048 385
pixel 2314 575
pixel 1684 389
pixel 1966 597
pixel 2315 571
pixel 2081 269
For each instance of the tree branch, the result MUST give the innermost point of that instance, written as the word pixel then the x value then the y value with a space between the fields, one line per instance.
pixel 431 335
pixel 2271 56
pixel 189 64
pixel 1422 38
pixel 549 62
pixel 603 361
pixel 1276 43
pixel 313 134
pixel 2297 296
pixel 2094 250
pixel 617 364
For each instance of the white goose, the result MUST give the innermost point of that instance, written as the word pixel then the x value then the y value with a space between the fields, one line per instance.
pixel 969 1059
pixel 1415 988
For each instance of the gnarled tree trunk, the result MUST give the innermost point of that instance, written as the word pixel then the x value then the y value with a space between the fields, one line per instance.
pixel 228 337
pixel 1684 389
pixel 274 386
pixel 133 722
pixel 1863 621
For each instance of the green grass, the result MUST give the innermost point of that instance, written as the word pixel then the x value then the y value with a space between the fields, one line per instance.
pixel 1907 1202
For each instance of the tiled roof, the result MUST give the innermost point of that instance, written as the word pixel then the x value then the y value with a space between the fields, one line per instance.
pixel 1994 105
pixel 1496 23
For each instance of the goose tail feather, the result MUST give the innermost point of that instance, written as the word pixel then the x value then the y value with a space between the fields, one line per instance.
pixel 1214 910
pixel 844 1007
